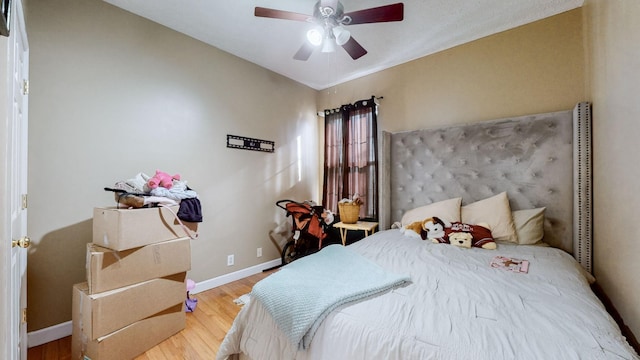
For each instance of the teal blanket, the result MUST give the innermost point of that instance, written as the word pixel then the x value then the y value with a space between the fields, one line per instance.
pixel 304 292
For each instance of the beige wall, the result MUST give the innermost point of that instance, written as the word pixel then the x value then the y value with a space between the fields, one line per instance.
pixel 535 68
pixel 112 95
pixel 589 54
pixel 97 71
pixel 614 65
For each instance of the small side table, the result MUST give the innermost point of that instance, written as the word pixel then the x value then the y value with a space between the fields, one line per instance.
pixel 366 226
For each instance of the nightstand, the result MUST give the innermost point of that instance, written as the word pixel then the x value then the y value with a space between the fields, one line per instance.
pixel 366 226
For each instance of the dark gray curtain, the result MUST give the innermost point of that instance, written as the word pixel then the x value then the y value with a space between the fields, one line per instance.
pixel 351 156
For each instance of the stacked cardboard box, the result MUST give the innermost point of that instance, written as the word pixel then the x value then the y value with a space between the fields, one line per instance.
pixel 135 290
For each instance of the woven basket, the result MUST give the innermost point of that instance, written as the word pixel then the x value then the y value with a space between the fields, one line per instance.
pixel 349 213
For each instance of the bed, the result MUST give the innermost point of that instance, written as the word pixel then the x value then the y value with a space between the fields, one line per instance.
pixel 529 179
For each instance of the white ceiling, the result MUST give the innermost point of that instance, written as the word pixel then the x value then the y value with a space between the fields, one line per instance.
pixel 429 26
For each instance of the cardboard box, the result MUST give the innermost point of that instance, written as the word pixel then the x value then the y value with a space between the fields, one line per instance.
pixel 122 229
pixel 106 312
pixel 130 341
pixel 109 269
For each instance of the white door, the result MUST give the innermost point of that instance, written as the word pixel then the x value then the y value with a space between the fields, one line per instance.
pixel 18 63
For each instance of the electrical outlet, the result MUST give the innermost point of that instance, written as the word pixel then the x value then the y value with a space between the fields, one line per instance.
pixel 230 260
pixel 259 252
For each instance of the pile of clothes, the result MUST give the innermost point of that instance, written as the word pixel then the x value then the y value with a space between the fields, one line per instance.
pixel 161 189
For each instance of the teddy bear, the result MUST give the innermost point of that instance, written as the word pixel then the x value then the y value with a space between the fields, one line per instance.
pixel 162 179
pixel 461 239
pixel 480 235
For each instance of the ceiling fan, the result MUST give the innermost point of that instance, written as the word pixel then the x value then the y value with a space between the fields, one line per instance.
pixel 330 19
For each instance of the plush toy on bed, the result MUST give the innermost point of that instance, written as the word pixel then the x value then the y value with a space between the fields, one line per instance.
pixel 428 228
pixel 414 229
pixel 435 228
pixel 461 239
pixel 480 235
pixel 162 179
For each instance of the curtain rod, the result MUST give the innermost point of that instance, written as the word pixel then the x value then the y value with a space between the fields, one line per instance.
pixel 321 112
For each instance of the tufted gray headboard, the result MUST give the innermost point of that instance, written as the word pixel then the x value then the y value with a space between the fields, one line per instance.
pixel 539 160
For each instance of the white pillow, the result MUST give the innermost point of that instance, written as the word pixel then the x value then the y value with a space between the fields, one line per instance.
pixel 448 210
pixel 494 211
pixel 529 225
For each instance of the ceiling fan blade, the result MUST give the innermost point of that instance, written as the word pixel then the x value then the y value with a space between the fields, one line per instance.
pixel 280 14
pixel 393 12
pixel 354 49
pixel 304 52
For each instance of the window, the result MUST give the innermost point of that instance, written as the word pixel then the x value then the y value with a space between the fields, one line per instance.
pixel 351 156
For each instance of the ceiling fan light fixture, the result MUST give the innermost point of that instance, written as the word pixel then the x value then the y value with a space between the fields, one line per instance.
pixel 328 19
pixel 342 35
pixel 328 45
pixel 315 37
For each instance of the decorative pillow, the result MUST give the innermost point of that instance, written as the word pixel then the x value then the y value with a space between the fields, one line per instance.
pixel 529 225
pixel 494 211
pixel 448 210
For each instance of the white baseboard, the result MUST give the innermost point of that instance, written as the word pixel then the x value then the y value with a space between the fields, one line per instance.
pixel 56 332
pixel 237 275
pixel 52 333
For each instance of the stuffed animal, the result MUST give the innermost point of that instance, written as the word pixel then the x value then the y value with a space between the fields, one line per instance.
pixel 480 234
pixel 463 235
pixel 461 239
pixel 413 229
pixel 422 228
pixel 162 179
pixel 434 229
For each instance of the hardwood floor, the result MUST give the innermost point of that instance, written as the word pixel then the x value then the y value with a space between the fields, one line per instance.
pixel 205 330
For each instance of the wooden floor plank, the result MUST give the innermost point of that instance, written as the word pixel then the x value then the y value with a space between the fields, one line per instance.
pixel 205 328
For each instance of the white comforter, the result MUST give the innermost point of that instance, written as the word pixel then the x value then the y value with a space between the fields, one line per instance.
pixel 457 307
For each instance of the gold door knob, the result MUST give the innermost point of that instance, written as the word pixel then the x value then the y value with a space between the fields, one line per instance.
pixel 23 242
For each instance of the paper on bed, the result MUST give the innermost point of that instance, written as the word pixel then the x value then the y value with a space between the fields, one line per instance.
pixel 304 292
